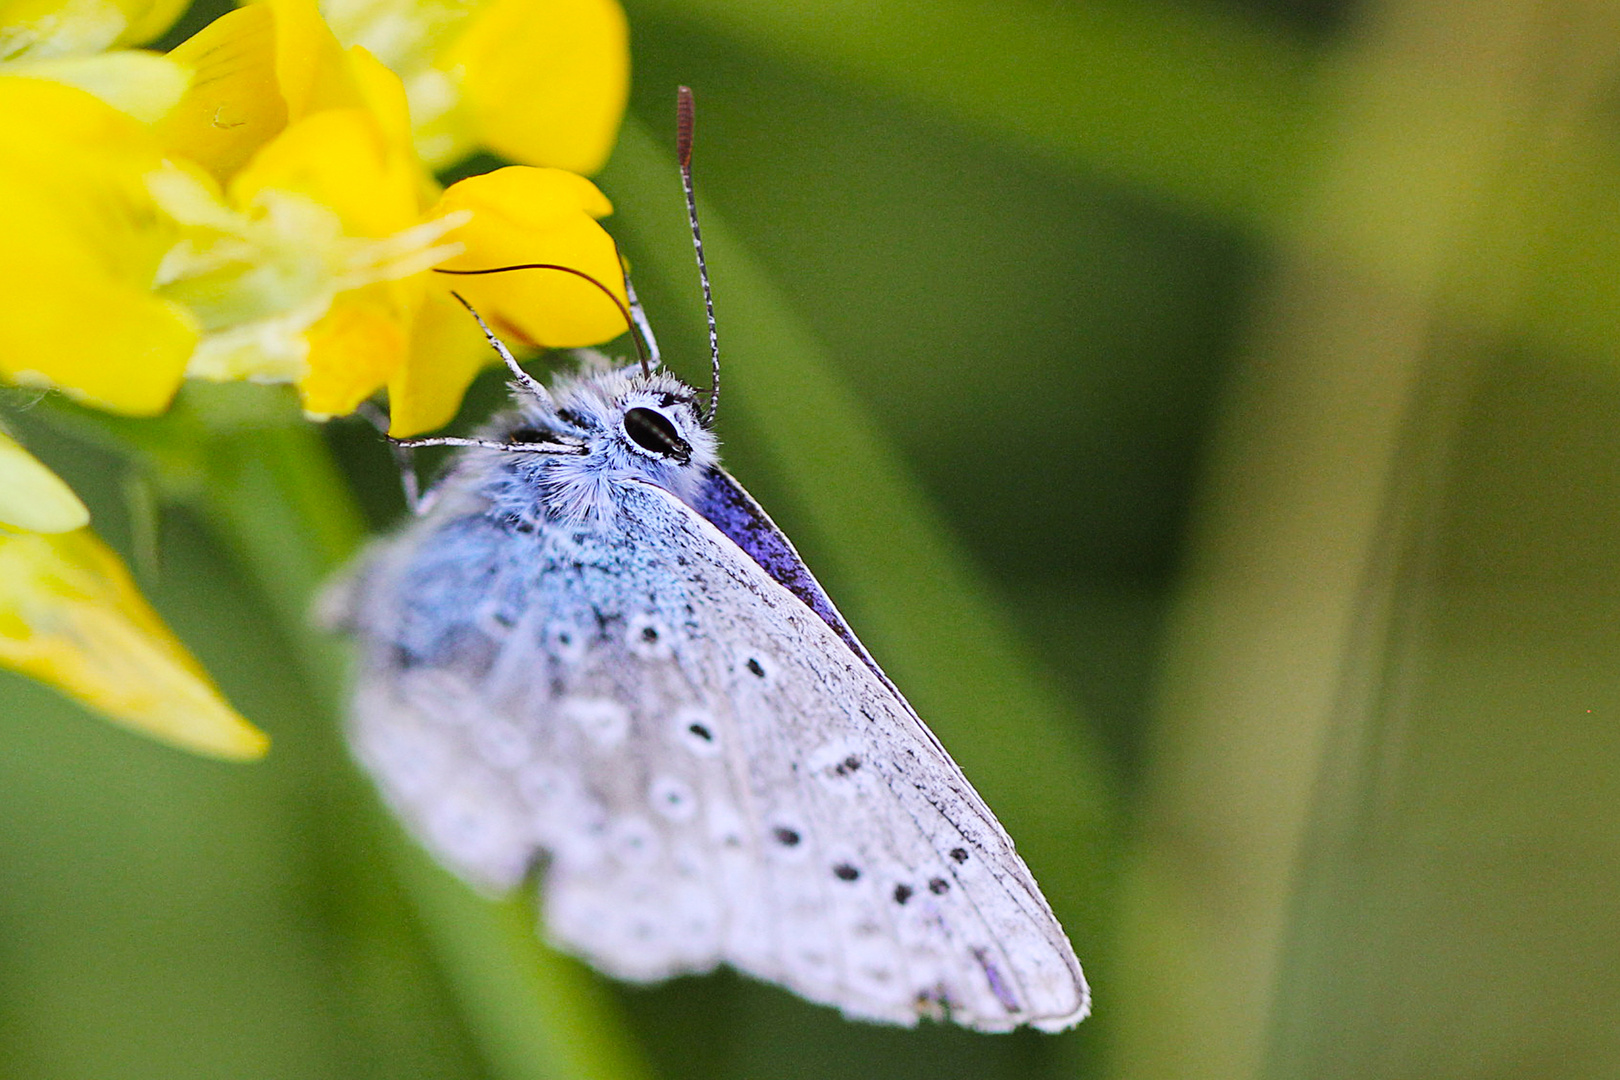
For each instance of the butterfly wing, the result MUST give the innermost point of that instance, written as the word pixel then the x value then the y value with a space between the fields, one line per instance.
pixel 711 772
pixel 902 894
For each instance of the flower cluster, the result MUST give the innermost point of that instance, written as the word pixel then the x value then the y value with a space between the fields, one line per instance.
pixel 254 205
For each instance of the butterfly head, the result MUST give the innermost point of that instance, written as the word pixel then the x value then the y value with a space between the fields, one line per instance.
pixel 627 426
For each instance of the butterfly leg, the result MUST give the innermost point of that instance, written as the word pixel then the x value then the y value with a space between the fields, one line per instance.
pixel 404 458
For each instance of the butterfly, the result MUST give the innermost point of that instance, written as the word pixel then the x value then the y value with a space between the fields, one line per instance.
pixel 594 655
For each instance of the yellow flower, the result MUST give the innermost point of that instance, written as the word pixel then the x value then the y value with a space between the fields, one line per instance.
pixel 299 264
pixel 71 616
pixel 275 226
pixel 513 216
pixel 291 122
pixel 543 82
pixel 81 240
pixel 32 497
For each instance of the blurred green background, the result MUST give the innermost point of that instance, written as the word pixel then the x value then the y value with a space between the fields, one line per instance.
pixel 1207 412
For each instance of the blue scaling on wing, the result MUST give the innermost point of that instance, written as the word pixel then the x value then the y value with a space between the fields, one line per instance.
pixel 734 512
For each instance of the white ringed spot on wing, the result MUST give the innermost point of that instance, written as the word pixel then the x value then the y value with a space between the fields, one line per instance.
pixel 786 840
pixel 725 825
pixel 634 840
pixel 695 729
pixel 839 764
pixel 604 721
pixel 478 834
pixel 544 787
pixel 565 641
pixel 500 741
pixel 673 798
pixel 648 636
pixel 756 667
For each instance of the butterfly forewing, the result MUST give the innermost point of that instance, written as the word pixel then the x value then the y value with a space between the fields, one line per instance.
pixel 706 767
pixel 923 905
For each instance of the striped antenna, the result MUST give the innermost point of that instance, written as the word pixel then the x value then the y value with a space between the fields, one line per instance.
pixel 684 120
pixel 628 313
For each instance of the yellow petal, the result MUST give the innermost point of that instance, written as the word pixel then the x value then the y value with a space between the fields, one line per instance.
pixel 545 81
pixel 144 85
pixel 388 104
pixel 126 352
pixel 384 96
pixel 353 350
pixel 259 68
pixel 70 616
pixel 526 215
pixel 447 351
pixel 34 498
pixel 341 160
pixel 311 67
pixel 80 244
pixel 234 105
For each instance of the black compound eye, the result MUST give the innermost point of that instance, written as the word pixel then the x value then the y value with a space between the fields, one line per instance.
pixel 655 433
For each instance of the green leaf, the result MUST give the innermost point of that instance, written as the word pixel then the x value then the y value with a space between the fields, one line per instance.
pixel 1213 110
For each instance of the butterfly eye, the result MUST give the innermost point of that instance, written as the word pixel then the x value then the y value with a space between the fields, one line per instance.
pixel 655 433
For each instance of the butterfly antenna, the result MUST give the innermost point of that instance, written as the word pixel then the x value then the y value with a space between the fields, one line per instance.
pixel 642 327
pixel 684 120
pixel 630 321
pixel 523 378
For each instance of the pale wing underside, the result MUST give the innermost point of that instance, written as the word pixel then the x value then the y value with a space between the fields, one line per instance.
pixel 709 773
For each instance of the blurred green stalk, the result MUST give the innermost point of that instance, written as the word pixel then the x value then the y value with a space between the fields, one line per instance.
pixel 1284 600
